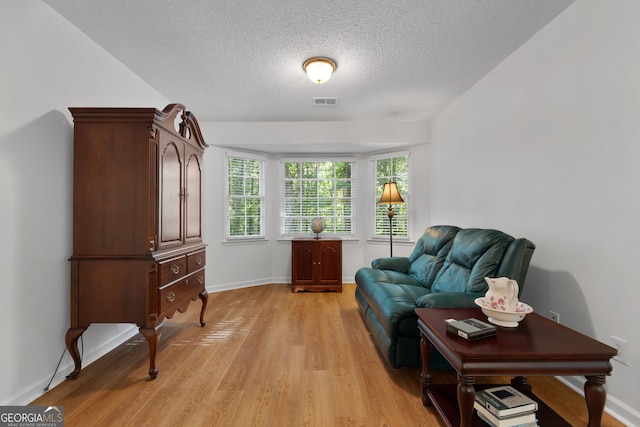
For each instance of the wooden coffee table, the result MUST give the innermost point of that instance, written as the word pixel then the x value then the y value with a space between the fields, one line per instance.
pixel 538 346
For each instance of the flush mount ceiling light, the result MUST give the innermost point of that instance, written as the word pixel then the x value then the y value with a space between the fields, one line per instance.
pixel 319 69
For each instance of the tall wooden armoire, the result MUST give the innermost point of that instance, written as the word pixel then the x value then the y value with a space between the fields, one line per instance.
pixel 138 255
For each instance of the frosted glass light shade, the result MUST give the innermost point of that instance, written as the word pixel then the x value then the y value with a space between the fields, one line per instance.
pixel 318 69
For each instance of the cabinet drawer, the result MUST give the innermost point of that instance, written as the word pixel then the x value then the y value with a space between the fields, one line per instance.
pixel 195 282
pixel 172 295
pixel 196 260
pixel 172 269
pixel 175 294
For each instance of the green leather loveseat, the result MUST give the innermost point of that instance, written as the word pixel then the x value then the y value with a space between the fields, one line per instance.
pixel 446 269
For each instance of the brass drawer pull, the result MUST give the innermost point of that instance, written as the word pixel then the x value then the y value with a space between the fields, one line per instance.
pixel 171 296
pixel 198 261
pixel 200 280
pixel 175 269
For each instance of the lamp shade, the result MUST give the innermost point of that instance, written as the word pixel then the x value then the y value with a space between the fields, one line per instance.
pixel 318 69
pixel 390 195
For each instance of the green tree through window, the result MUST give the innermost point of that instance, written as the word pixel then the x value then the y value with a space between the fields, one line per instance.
pixel 387 169
pixel 314 189
pixel 245 196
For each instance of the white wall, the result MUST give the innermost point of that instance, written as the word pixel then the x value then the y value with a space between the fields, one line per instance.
pixel 47 66
pixel 231 265
pixel 547 147
pixel 319 136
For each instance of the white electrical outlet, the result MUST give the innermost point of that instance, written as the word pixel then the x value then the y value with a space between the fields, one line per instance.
pixel 623 350
pixel 554 316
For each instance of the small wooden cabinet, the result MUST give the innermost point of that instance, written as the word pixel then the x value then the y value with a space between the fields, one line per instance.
pixel 138 255
pixel 316 265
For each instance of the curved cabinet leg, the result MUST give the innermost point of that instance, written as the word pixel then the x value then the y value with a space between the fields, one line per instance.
pixel 204 296
pixel 71 340
pixel 152 335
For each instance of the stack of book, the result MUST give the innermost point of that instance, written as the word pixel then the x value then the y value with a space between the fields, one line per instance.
pixel 505 406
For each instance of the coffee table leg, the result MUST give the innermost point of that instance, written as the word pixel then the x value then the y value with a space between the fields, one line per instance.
pixel 521 383
pixel 466 396
pixel 425 376
pixel 596 395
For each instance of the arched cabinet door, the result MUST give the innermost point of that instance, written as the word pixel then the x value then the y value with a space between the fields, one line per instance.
pixel 330 263
pixel 170 192
pixel 303 262
pixel 193 195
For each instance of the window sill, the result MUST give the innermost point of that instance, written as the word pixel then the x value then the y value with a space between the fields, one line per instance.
pixel 326 236
pixel 246 241
pixel 395 242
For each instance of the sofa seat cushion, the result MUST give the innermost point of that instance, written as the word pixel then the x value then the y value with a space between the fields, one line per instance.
pixel 368 277
pixel 392 298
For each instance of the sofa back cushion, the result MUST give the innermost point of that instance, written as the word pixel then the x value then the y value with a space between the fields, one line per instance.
pixel 474 255
pixel 430 252
pixel 516 259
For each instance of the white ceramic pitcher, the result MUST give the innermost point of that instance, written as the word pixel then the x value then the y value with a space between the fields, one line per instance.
pixel 502 293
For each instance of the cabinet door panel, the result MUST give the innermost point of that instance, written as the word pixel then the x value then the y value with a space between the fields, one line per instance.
pixel 170 170
pixel 330 264
pixel 193 207
pixel 303 263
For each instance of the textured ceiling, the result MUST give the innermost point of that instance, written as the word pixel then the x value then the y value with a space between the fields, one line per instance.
pixel 241 60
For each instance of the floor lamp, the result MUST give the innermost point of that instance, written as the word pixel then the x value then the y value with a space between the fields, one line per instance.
pixel 390 196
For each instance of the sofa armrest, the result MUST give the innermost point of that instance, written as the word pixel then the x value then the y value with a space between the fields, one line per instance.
pixel 448 300
pixel 399 264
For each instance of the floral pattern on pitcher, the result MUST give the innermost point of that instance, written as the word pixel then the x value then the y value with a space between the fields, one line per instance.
pixel 498 304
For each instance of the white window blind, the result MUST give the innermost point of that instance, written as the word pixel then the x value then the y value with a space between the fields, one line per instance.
pixel 245 197
pixel 391 167
pixel 313 189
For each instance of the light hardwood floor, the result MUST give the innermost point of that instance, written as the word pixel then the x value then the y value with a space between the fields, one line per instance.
pixel 266 357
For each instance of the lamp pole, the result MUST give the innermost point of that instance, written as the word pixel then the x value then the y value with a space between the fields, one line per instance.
pixel 390 215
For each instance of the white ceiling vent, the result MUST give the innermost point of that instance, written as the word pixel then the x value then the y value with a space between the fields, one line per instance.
pixel 326 101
